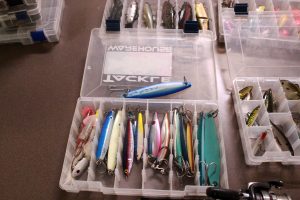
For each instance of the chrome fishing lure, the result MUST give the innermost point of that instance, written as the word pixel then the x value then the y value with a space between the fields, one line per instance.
pixel 132 14
pixel 104 137
pixel 161 162
pixel 154 139
pixel 148 16
pixel 139 144
pixel 113 144
pixel 178 157
pixel 116 10
pixel 82 154
pixel 158 90
pixel 128 146
pixel 210 159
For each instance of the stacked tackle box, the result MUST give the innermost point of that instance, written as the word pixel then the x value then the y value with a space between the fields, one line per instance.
pixel 31 21
pixel 263 51
pixel 134 57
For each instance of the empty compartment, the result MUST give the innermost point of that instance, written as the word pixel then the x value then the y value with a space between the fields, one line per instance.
pixel 131 15
pixel 149 13
pixel 273 95
pixel 281 5
pixel 167 14
pixel 188 7
pixel 268 25
pixel 284 131
pixel 99 172
pixel 243 86
pixel 248 108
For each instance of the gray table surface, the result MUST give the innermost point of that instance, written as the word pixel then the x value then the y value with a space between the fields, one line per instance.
pixel 39 87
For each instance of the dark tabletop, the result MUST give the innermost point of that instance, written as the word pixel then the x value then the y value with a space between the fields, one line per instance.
pixel 39 87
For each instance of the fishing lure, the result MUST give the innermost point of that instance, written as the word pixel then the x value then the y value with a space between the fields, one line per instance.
pixel 132 14
pixel 128 147
pixel 269 102
pixel 281 139
pixel 104 137
pixel 82 154
pixel 257 146
pixel 201 16
pixel 292 91
pixel 296 118
pixel 140 136
pixel 168 15
pixel 178 161
pixel 183 141
pixel 116 10
pixel 149 18
pixel 253 116
pixel 158 90
pixel 261 8
pixel 185 14
pixel 190 146
pixel 113 144
pixel 154 139
pixel 228 3
pixel 210 159
pixel 201 142
pixel 161 162
pixel 246 93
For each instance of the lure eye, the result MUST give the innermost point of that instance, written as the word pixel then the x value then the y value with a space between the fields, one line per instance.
pixel 78 171
pixel 153 123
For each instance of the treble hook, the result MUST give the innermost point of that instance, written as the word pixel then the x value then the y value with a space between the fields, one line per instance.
pixel 207 166
pixel 189 172
pixel 180 171
pixel 162 166
pixel 214 114
pixel 100 164
pixel 151 160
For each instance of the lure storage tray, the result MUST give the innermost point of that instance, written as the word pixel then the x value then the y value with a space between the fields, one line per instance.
pixel 48 28
pixel 20 16
pixel 265 61
pixel 145 59
pixel 143 181
pixel 157 9
pixel 277 18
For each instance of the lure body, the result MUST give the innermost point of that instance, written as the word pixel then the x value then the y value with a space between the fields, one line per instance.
pixel 281 139
pixel 185 14
pixel 128 148
pixel 201 139
pixel 104 137
pixel 261 9
pixel 211 152
pixel 246 93
pixel 132 14
pixel 258 143
pixel 168 15
pixel 253 116
pixel 201 16
pixel 189 144
pixel 177 147
pixel 292 91
pixel 116 10
pixel 269 102
pixel 82 154
pixel 296 118
pixel 148 16
pixel 113 144
pixel 154 141
pixel 140 136
pixel 158 90
pixel 228 3
pixel 183 139
pixel 165 139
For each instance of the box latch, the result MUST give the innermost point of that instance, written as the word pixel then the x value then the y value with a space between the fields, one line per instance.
pixel 241 9
pixel 112 25
pixel 191 27
pixel 38 36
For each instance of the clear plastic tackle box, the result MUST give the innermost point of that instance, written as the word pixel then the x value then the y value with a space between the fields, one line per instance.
pixel 272 8
pixel 10 5
pixel 263 51
pixel 47 28
pixel 138 57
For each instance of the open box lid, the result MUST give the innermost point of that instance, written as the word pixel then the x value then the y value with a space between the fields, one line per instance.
pixel 133 60
pixel 262 45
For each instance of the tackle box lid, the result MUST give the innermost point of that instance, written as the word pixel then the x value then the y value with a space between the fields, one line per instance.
pixel 46 29
pixel 262 45
pixel 118 62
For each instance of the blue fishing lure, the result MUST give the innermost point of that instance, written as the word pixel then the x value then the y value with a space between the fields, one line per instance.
pixel 158 90
pixel 104 137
